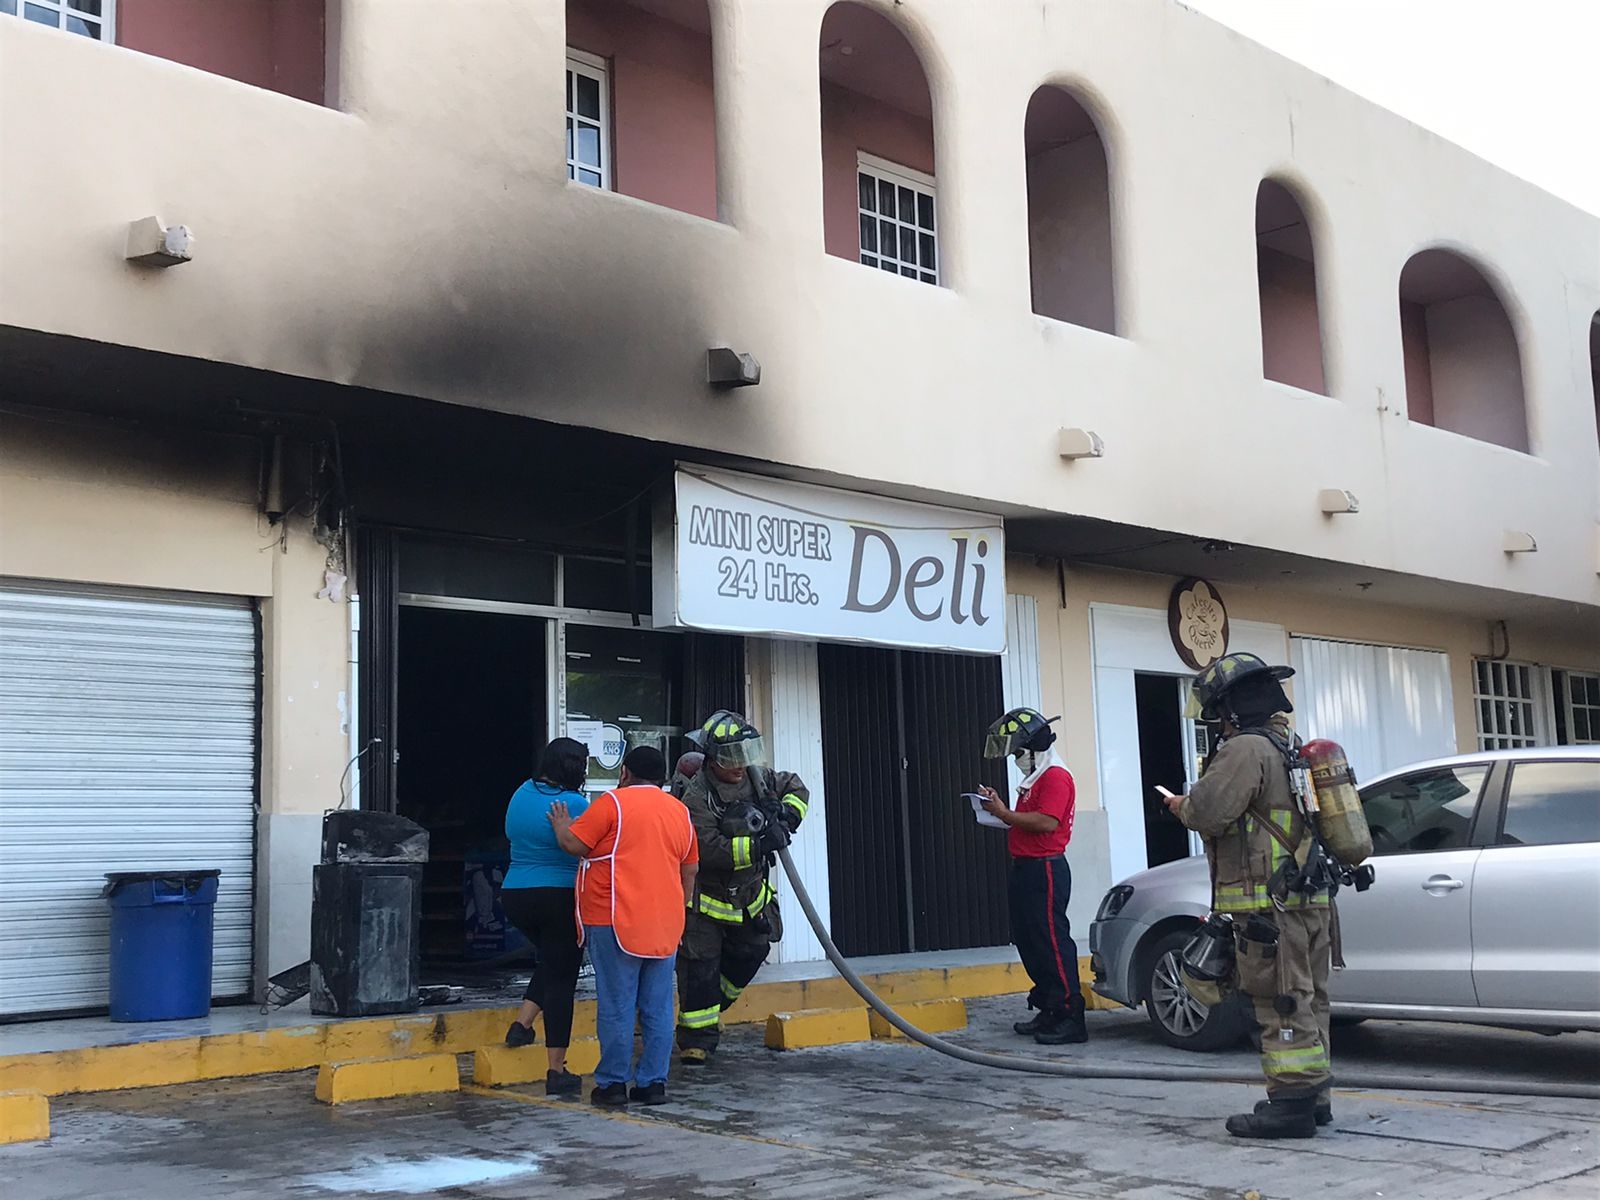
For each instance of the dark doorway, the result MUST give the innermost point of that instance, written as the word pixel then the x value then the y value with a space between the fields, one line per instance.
pixel 470 715
pixel 908 869
pixel 1161 761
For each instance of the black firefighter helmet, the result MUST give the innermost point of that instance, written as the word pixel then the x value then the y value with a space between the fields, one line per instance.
pixel 728 739
pixel 1020 729
pixel 1222 677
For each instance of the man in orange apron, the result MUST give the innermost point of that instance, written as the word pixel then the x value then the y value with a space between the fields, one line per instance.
pixel 639 860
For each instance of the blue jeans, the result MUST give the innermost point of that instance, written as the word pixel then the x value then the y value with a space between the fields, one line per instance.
pixel 626 985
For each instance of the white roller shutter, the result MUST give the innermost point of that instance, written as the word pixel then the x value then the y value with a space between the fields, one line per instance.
pixel 127 742
pixel 1386 705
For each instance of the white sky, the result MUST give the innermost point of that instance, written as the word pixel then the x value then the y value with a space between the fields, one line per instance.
pixel 1515 81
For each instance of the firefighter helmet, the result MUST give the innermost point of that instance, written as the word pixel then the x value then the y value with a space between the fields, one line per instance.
pixel 1222 676
pixel 729 740
pixel 1019 729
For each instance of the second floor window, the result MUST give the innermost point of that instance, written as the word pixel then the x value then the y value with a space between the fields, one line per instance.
pixel 588 120
pixel 896 206
pixel 88 18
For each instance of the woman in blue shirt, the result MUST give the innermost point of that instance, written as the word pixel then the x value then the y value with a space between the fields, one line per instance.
pixel 538 898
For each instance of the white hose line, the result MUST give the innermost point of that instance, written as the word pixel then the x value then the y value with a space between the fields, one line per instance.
pixel 1079 1070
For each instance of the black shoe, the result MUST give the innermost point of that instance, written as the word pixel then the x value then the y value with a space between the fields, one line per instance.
pixel 1035 1024
pixel 520 1035
pixel 650 1093
pixel 562 1083
pixel 1064 1029
pixel 1322 1112
pixel 612 1095
pixel 1277 1119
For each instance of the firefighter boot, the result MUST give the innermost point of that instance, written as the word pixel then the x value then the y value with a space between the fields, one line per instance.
pixel 1279 1117
pixel 1323 1111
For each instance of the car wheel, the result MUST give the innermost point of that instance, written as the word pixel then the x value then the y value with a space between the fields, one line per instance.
pixel 1179 1019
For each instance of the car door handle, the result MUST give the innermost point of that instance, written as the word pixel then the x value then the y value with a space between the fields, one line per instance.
pixel 1441 883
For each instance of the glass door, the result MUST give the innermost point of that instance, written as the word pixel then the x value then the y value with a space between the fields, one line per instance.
pixel 623 689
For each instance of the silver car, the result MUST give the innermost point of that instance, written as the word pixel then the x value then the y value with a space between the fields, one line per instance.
pixel 1486 907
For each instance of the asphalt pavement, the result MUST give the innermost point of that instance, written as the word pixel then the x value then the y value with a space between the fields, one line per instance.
pixel 872 1120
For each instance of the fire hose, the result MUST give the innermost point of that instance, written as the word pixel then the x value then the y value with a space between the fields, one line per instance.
pixel 1374 1081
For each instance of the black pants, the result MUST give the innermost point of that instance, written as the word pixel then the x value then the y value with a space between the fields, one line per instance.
pixel 1040 889
pixel 546 917
pixel 716 962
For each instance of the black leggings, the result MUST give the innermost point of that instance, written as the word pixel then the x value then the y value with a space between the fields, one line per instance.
pixel 546 918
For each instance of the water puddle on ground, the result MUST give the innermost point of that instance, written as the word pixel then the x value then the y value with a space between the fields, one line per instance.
pixel 421 1176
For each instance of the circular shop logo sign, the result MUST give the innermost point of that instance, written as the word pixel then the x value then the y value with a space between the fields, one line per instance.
pixel 1198 622
pixel 611 748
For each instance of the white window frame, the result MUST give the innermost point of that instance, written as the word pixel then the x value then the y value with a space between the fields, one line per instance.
pixel 591 66
pixel 881 169
pixel 106 21
pixel 1569 706
pixel 1531 724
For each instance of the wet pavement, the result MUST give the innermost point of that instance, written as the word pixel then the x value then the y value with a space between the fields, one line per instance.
pixel 878 1120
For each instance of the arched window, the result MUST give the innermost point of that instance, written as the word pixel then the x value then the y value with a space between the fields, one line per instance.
pixel 879 194
pixel 1286 272
pixel 1069 212
pixel 641 112
pixel 1463 366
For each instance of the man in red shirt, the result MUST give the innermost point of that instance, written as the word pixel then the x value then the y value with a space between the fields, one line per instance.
pixel 1039 829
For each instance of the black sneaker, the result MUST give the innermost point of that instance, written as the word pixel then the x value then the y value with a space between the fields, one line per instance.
pixel 1035 1024
pixel 611 1095
pixel 1064 1029
pixel 520 1035
pixel 562 1083
pixel 650 1093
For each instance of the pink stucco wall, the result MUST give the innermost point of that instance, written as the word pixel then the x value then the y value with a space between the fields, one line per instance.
pixel 1069 235
pixel 1419 371
pixel 1477 371
pixel 663 108
pixel 274 44
pixel 852 123
pixel 1291 329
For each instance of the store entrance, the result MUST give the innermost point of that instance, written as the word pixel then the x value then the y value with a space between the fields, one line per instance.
pixel 1171 747
pixel 623 689
pixel 471 713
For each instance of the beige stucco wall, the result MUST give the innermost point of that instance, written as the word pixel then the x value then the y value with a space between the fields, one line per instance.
pixel 1065 651
pixel 177 511
pixel 424 240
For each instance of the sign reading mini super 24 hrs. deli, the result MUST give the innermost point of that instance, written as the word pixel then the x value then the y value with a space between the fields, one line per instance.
pixel 757 555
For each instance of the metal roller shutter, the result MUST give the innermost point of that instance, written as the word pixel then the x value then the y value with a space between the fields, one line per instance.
pixel 127 742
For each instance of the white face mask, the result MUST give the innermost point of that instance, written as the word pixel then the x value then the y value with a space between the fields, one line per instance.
pixel 1026 761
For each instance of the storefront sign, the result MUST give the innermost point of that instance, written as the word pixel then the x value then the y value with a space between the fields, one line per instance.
pixel 1198 622
pixel 747 554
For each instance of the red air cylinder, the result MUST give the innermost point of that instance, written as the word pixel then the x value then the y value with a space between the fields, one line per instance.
pixel 1341 823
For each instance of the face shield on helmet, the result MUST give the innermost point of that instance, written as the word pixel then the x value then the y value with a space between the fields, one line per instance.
pixel 728 740
pixel 1020 729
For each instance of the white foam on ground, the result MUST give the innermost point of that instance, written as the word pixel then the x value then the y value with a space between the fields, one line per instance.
pixel 420 1176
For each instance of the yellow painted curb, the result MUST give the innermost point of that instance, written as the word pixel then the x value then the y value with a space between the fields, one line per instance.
pixel 24 1117
pixel 930 1016
pixel 502 1066
pixel 449 1031
pixel 817 1027
pixel 381 1078
pixel 1092 1000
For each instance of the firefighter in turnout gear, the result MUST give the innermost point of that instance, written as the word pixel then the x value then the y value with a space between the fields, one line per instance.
pixel 1258 842
pixel 743 813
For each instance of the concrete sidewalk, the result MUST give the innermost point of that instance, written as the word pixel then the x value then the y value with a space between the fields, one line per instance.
pixel 868 1120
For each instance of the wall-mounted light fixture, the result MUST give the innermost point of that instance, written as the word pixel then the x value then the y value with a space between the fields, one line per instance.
pixel 1518 542
pixel 152 244
pixel 1079 443
pixel 727 368
pixel 1337 500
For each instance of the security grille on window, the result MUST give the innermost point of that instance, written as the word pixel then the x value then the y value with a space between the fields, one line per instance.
pixel 1507 704
pixel 588 120
pixel 897 209
pixel 90 18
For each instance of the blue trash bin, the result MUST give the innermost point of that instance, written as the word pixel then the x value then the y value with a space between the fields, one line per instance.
pixel 161 943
